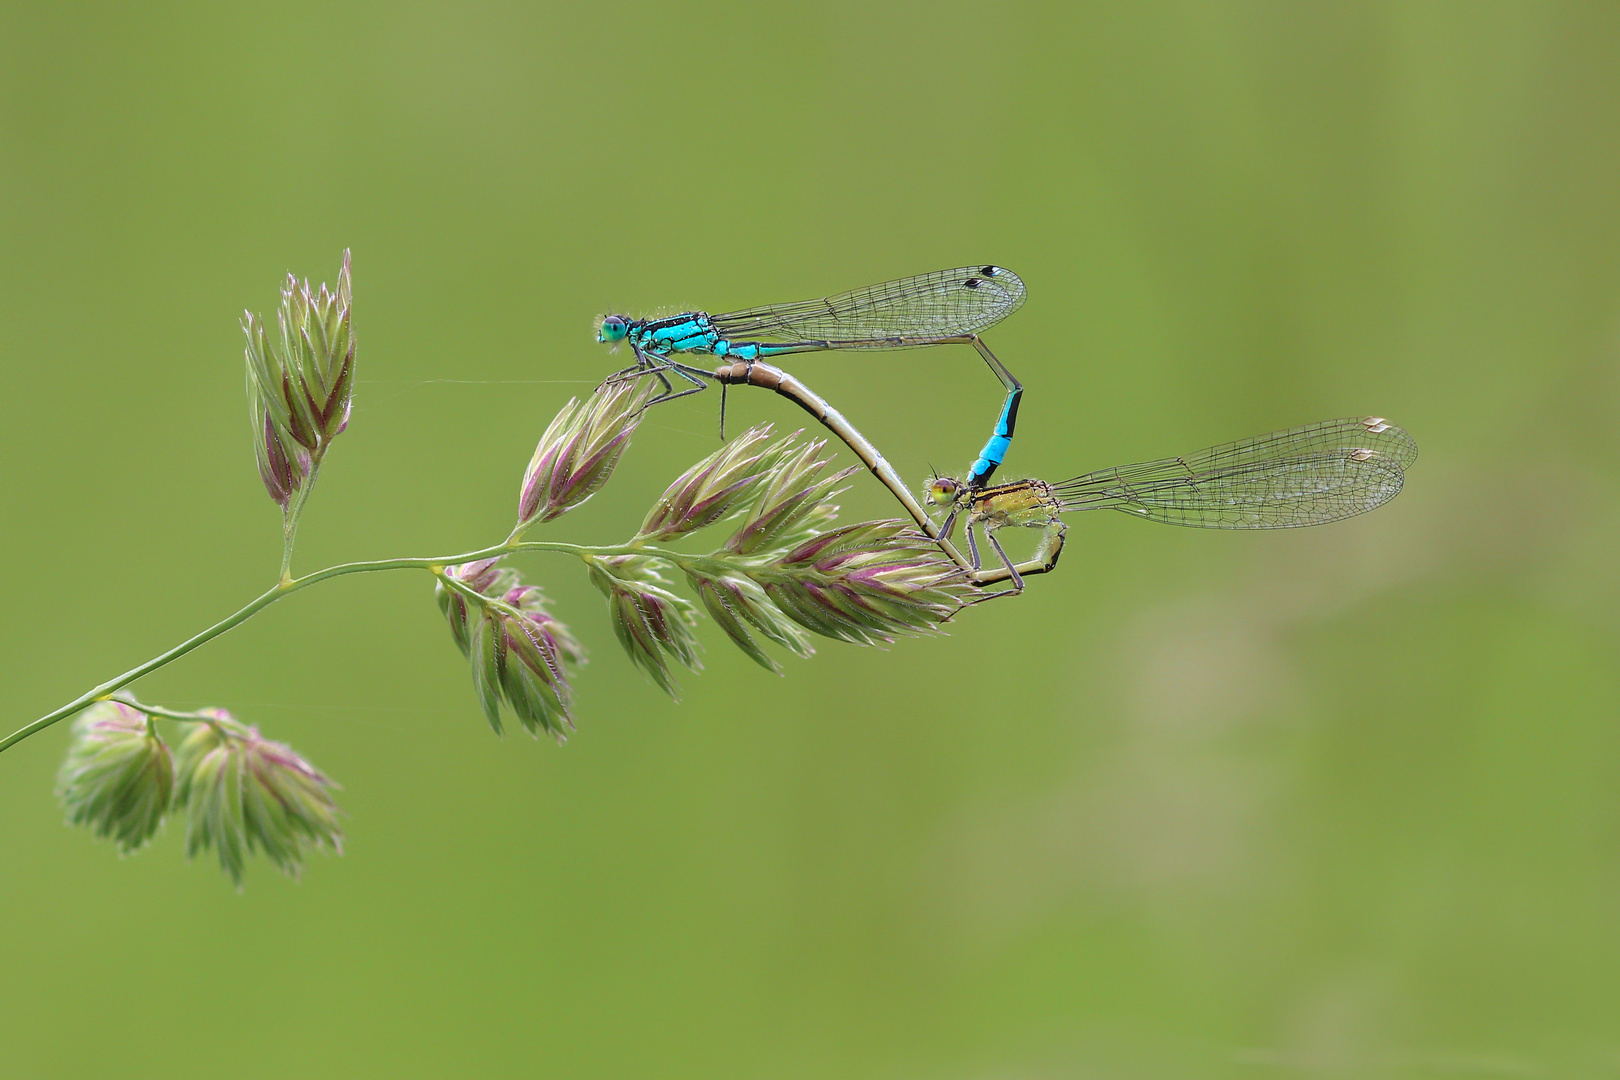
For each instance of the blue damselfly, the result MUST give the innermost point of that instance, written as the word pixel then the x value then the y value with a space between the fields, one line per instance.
pixel 939 308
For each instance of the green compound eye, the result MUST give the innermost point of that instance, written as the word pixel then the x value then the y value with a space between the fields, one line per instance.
pixel 613 329
pixel 942 492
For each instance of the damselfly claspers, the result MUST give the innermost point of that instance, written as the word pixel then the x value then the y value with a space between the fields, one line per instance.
pixel 939 308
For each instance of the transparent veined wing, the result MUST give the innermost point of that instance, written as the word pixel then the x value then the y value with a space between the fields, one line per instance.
pixel 1286 479
pixel 945 303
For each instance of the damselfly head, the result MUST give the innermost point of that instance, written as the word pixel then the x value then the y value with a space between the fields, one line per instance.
pixel 612 328
pixel 944 491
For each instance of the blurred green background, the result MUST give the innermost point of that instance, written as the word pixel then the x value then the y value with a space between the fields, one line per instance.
pixel 1336 802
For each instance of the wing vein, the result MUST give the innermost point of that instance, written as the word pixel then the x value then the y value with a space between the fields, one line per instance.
pixel 941 304
pixel 1285 479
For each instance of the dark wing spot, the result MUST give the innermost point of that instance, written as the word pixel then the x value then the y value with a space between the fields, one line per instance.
pixel 972 283
pixel 990 271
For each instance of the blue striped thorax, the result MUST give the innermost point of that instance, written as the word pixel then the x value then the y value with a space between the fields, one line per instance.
pixel 680 333
pixel 692 332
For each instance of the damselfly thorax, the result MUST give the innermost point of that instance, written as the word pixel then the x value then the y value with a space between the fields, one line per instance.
pixel 1018 502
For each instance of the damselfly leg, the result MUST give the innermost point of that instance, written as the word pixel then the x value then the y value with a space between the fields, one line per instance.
pixel 1044 560
pixel 660 367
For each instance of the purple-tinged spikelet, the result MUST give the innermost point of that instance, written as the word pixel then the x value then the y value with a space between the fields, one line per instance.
pixel 519 651
pixel 244 793
pixel 737 603
pixel 793 499
pixel 868 583
pixel 481 577
pixel 714 488
pixel 580 449
pixel 118 779
pixel 300 380
pixel 652 623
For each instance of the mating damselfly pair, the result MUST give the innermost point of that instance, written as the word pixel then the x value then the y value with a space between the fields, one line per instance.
pixel 1302 476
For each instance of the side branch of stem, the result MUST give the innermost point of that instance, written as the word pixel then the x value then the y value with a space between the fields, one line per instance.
pixel 289 585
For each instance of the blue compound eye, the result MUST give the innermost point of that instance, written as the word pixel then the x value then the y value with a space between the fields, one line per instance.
pixel 613 329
